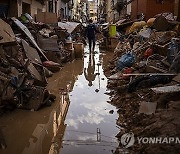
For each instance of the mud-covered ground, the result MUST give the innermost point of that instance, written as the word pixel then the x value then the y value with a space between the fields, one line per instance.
pixel 165 122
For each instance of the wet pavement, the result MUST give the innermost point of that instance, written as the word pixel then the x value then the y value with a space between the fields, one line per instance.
pixel 80 121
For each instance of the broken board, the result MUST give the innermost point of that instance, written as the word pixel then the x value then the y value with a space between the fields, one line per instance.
pixel 117 76
pixel 166 89
pixel 31 53
pixel 6 33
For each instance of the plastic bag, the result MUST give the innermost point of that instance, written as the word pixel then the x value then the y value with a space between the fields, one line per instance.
pixel 126 60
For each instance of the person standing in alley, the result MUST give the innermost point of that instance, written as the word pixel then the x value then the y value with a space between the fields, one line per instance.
pixel 91 31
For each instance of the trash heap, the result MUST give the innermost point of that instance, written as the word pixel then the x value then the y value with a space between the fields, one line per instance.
pixel 29 53
pixel 144 77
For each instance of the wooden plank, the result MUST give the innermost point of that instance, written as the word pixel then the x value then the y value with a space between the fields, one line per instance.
pixel 119 75
pixel 150 74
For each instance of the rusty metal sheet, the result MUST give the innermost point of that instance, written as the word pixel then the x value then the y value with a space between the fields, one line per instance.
pixel 6 33
pixel 31 53
pixel 28 34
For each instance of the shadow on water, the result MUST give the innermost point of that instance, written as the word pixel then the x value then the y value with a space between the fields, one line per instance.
pixel 78 122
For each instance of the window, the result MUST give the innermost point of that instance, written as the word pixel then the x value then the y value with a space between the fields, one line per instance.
pixel 50 4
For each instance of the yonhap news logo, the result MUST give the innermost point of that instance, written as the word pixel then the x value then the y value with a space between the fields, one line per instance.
pixel 128 140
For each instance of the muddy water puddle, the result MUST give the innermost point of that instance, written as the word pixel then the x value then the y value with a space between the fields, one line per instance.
pixel 80 121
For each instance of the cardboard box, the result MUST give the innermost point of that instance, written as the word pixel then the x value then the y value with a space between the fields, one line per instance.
pixel 47 17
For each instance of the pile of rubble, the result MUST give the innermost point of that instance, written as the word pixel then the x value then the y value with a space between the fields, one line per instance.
pixel 29 53
pixel 144 81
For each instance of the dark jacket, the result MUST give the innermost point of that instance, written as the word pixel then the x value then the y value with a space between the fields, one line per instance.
pixel 91 31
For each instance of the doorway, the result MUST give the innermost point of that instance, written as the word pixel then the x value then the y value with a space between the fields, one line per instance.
pixel 26 8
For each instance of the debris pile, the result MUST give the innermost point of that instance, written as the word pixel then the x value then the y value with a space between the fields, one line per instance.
pixel 144 79
pixel 29 53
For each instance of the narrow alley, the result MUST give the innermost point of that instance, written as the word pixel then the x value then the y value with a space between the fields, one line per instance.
pixel 89 76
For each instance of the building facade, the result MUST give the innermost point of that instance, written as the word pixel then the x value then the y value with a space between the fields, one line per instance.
pixel 18 7
pixel 117 9
pixel 134 8
pixel 151 8
pixel 93 10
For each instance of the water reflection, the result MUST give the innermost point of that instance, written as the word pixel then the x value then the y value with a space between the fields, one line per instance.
pixel 66 77
pixel 90 127
pixel 58 124
pixel 89 72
